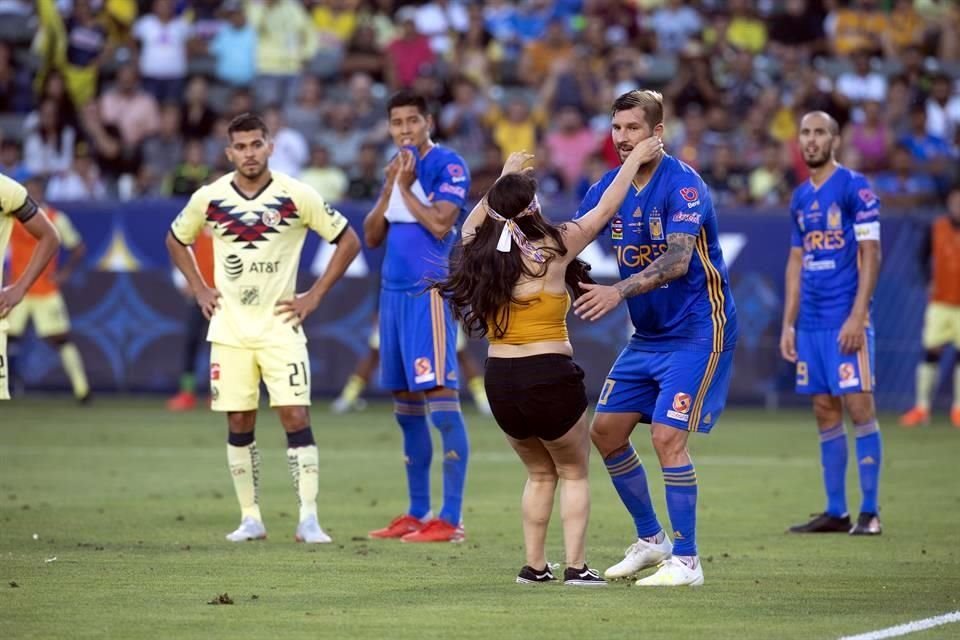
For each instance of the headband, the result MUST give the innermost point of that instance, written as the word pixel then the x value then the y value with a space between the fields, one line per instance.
pixel 512 234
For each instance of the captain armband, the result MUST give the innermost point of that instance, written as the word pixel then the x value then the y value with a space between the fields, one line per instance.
pixel 867 231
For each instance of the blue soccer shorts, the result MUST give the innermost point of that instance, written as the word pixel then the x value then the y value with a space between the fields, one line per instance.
pixel 822 368
pixel 683 389
pixel 418 341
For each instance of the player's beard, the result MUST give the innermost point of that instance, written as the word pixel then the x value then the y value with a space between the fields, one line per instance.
pixel 252 172
pixel 818 160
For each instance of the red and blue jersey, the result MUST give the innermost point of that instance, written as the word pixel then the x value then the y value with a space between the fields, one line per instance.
pixel 695 312
pixel 828 222
pixel 414 257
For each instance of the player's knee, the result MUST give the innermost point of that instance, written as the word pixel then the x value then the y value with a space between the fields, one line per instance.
pixel 669 443
pixel 543 474
pixel 293 418
pixel 606 439
pixel 59 341
pixel 932 356
pixel 241 421
pixel 827 410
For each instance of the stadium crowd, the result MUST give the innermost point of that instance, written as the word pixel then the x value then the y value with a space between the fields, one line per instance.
pixel 127 98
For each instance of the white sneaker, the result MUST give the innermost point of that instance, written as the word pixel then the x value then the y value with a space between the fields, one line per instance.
pixel 638 556
pixel 249 529
pixel 309 531
pixel 674 573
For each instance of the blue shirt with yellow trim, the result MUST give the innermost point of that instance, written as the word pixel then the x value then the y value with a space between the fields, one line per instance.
pixel 828 222
pixel 414 257
pixel 695 312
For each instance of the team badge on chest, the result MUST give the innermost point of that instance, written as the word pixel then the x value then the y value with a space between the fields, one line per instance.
pixel 656 225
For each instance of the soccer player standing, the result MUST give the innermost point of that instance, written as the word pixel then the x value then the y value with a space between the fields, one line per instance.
pixel 44 304
pixel 675 372
pixel 259 221
pixel 421 202
pixel 830 278
pixel 16 204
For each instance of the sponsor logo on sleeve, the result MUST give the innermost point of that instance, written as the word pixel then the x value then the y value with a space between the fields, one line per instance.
pixel 681 407
pixel 460 192
pixel 423 371
pixel 866 215
pixel 868 197
pixel 456 172
pixel 692 218
pixel 690 194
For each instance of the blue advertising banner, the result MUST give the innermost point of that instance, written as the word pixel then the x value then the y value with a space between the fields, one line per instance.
pixel 128 317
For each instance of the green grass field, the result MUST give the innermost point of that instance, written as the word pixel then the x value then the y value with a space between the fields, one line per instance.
pixel 130 505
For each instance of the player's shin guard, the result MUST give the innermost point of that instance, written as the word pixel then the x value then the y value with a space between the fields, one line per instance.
pixel 244 461
pixel 630 481
pixel 417 452
pixel 73 366
pixel 869 452
pixel 446 417
pixel 833 459
pixel 681 486
pixel 303 460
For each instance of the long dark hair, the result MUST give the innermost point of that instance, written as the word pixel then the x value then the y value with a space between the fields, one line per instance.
pixel 481 279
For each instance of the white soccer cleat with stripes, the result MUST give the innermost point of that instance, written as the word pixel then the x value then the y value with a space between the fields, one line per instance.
pixel 309 531
pixel 674 573
pixel 249 529
pixel 639 556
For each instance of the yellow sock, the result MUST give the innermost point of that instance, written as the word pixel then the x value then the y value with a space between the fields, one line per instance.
pixel 479 393
pixel 956 387
pixel 245 470
pixel 304 464
pixel 352 390
pixel 73 365
pixel 926 383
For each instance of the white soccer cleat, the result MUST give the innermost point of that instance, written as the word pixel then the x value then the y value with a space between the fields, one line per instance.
pixel 639 556
pixel 249 529
pixel 309 531
pixel 674 573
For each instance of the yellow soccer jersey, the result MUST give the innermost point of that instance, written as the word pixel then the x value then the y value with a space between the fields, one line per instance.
pixel 14 203
pixel 256 249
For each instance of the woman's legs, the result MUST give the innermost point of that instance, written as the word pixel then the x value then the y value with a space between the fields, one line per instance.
pixel 537 501
pixel 571 454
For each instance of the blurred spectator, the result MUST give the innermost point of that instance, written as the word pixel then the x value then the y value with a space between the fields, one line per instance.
pixel 162 151
pixel 674 25
pixel 943 108
pixel 368 110
pixel 500 19
pixel 485 173
pixel 118 160
pixel 197 118
pixel 542 56
pixel 306 113
pixel 931 154
pixel 861 26
pixel 871 139
pixel 438 19
pixel 162 37
pixel 335 21
pixel 54 88
pixel 477 55
pixel 728 184
pixel 330 181
pixel 290 149
pixel 799 26
pixel 741 88
pixel 48 147
pixel 15 92
pixel 914 68
pixel 860 84
pixel 363 54
pixel 573 83
pixel 550 180
pixel 693 83
pixel 11 158
pixel 286 41
pixel 770 183
pixel 515 127
pixel 340 137
pixel 570 143
pixel 130 108
pixel 241 101
pixel 81 182
pixel 901 187
pixel 408 54
pixel 366 178
pixel 896 109
pixel 593 170
pixel 191 173
pixel 214 146
pixel 461 121
pixel 746 31
pixel 691 147
pixel 906 28
pixel 76 44
pixel 234 47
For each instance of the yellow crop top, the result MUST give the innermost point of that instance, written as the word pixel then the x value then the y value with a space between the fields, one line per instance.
pixel 538 318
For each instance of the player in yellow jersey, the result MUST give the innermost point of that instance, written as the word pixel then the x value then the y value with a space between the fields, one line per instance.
pixel 16 204
pixel 44 304
pixel 259 221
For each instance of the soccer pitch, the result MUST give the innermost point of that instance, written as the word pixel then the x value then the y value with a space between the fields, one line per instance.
pixel 130 505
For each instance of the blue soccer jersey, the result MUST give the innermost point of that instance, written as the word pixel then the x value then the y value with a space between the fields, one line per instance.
pixel 828 222
pixel 414 257
pixel 695 312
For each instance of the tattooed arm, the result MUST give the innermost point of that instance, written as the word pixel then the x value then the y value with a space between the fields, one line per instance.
pixel 601 299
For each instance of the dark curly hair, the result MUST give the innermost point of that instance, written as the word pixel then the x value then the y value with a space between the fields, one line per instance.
pixel 481 279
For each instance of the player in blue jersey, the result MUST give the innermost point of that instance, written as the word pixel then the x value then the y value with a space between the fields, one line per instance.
pixel 831 274
pixel 675 371
pixel 416 213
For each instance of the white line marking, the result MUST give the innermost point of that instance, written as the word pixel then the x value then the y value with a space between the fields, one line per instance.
pixel 910 627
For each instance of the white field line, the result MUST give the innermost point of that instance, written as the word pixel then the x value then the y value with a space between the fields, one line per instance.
pixel 909 627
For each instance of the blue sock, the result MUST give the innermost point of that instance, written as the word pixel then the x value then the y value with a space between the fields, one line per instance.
pixel 630 481
pixel 301 438
pixel 681 485
pixel 833 458
pixel 869 452
pixel 446 417
pixel 418 453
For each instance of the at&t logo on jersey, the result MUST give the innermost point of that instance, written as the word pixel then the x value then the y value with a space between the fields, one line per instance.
pixel 233 266
pixel 681 407
pixel 848 376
